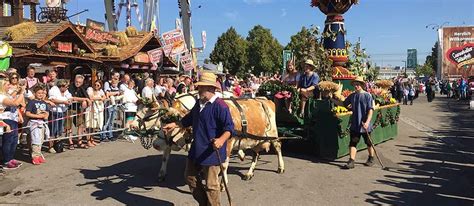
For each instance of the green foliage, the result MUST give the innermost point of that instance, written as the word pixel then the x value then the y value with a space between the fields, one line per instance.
pixel 372 73
pixel 425 70
pixel 231 50
pixel 307 44
pixel 270 88
pixel 358 59
pixel 264 51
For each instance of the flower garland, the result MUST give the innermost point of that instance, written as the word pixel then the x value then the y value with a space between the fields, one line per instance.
pixel 270 88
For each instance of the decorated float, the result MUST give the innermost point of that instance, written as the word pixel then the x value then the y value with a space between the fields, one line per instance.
pixel 325 125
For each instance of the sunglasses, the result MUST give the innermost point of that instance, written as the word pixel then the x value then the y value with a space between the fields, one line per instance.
pixel 97 85
pixel 14 77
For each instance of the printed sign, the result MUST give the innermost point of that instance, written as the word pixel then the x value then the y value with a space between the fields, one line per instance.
pixel 187 62
pixel 461 56
pixel 64 47
pixel 156 56
pixel 457 48
pixel 100 36
pixel 173 43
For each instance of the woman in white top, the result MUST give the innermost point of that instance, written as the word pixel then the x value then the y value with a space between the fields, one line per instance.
pixel 95 117
pixel 9 118
pixel 160 89
pixel 130 100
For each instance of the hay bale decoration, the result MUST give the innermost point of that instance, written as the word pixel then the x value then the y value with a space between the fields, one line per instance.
pixel 21 31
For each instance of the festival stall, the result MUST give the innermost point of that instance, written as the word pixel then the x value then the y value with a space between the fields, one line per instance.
pixel 49 44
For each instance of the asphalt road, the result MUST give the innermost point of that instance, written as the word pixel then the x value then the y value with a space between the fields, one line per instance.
pixel 433 154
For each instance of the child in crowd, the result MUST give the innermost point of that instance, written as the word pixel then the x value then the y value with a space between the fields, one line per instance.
pixel 37 112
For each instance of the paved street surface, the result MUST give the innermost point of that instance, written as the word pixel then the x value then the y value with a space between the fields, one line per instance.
pixel 434 149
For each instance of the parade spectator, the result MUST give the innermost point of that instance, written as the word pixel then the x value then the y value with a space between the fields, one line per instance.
pixel 291 78
pixel 148 90
pixel 114 94
pixel 45 78
pixel 362 106
pixel 37 112
pixel 237 89
pixel 185 85
pixel 212 127
pixel 81 102
pixel 95 116
pixel 9 117
pixel 31 80
pixel 405 94
pixel 123 82
pixel 307 86
pixel 159 90
pixel 61 97
pixel 462 89
pixel 449 87
pixel 115 77
pixel 53 78
pixel 130 100
pixel 411 93
pixel 170 90
pixel 228 83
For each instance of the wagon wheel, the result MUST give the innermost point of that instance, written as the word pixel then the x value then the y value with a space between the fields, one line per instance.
pixel 42 17
pixel 54 18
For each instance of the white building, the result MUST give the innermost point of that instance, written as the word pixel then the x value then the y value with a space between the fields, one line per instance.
pixel 388 73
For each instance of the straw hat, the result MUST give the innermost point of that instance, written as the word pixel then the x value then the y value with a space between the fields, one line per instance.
pixel 310 62
pixel 359 79
pixel 207 79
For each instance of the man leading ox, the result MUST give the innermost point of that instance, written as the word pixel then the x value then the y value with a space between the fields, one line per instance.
pixel 212 126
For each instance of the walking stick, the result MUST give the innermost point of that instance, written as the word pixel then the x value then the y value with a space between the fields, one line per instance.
pixel 375 151
pixel 223 177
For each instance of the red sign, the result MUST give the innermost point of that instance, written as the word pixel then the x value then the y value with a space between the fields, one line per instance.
pixel 156 56
pixel 173 43
pixel 461 56
pixel 100 36
pixel 187 62
pixel 64 47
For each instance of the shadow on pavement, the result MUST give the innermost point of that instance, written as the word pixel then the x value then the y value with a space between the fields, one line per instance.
pixel 126 181
pixel 439 176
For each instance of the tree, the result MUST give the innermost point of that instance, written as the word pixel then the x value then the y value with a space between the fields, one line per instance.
pixel 231 50
pixel 425 70
pixel 432 59
pixel 307 44
pixel 264 52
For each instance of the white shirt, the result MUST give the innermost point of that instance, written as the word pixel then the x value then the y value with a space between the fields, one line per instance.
pixel 2 97
pixel 130 99
pixel 55 94
pixel 159 90
pixel 123 87
pixel 212 100
pixel 147 92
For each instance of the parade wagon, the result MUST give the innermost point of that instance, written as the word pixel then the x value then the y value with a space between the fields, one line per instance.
pixel 325 126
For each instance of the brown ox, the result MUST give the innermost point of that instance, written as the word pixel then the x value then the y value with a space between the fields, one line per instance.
pixel 261 130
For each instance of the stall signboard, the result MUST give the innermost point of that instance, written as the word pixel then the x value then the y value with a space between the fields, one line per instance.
pixel 64 47
pixel 95 32
pixel 173 42
pixel 187 61
pixel 155 56
pixel 457 51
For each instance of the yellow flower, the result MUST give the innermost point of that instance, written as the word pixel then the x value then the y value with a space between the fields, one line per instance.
pixel 393 100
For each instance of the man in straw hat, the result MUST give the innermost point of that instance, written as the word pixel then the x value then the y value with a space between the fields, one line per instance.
pixel 307 86
pixel 362 106
pixel 212 125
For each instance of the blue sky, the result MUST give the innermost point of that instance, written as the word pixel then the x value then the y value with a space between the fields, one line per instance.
pixel 387 28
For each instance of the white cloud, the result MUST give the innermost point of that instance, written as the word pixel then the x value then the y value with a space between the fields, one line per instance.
pixel 232 15
pixel 283 12
pixel 253 2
